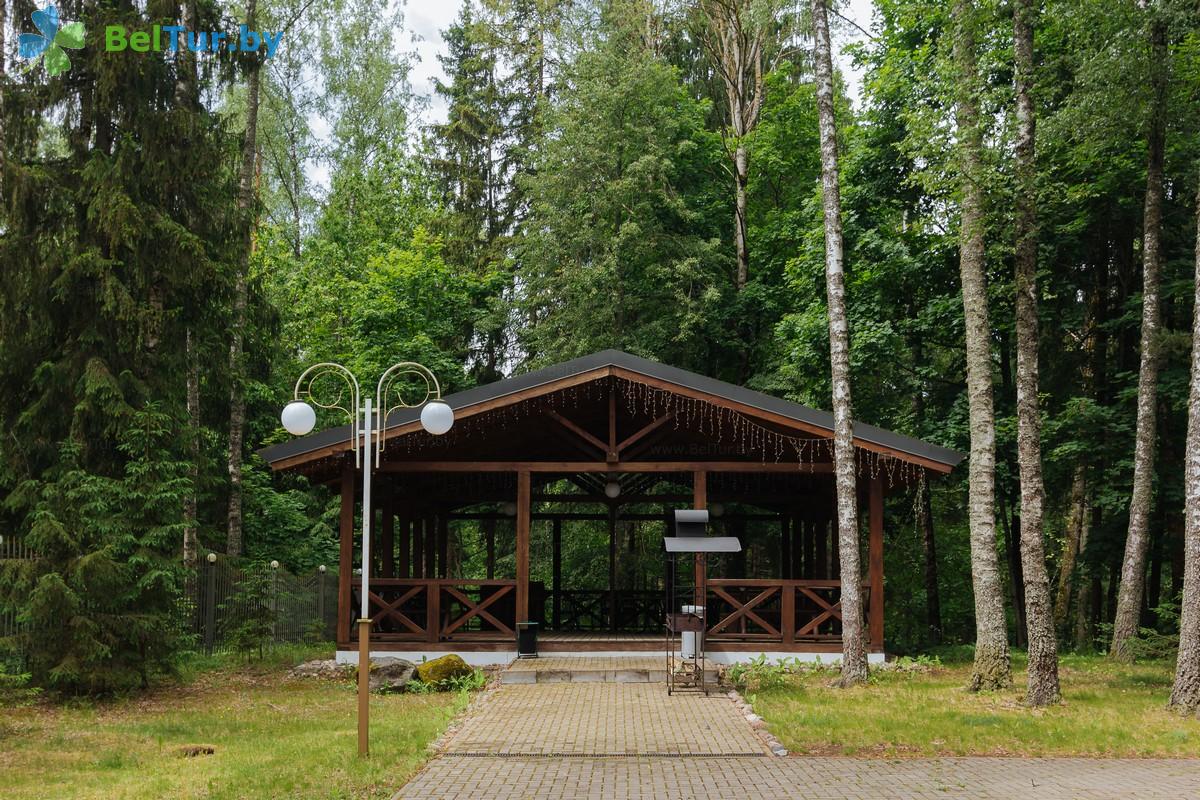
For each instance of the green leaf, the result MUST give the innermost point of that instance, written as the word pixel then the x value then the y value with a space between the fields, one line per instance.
pixel 56 60
pixel 70 35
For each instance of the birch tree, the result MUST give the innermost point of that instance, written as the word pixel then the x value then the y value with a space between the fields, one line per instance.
pixel 992 669
pixel 742 39
pixel 1185 692
pixel 854 651
pixel 1137 540
pixel 1042 688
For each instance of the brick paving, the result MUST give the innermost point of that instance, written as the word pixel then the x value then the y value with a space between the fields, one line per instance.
pixel 603 718
pixel 802 777
pixel 605 741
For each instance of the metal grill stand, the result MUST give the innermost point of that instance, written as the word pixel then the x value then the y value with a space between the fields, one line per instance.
pixel 685 627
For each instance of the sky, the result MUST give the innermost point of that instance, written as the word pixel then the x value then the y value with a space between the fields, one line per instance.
pixel 426 19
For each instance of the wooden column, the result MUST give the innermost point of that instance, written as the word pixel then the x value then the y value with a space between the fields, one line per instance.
pixel 799 523
pixel 557 568
pixel 700 501
pixel 875 564
pixel 816 537
pixel 430 536
pixel 387 534
pixel 612 568
pixel 418 549
pixel 405 544
pixel 345 552
pixel 785 547
pixel 523 516
pixel 443 542
pixel 489 530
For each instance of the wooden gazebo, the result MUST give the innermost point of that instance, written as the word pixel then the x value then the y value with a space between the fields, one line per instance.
pixel 605 440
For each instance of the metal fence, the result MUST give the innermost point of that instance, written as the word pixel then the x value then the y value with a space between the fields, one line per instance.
pixel 223 597
pixel 12 549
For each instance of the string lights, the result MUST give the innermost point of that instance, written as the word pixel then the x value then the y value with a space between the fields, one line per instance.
pixel 729 431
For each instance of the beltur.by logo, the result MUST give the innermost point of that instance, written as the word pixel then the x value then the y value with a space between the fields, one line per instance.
pixel 51 41
pixel 172 37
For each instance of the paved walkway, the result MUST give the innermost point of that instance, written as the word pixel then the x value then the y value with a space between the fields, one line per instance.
pixel 607 741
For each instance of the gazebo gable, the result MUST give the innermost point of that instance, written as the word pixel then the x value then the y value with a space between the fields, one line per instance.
pixel 612 406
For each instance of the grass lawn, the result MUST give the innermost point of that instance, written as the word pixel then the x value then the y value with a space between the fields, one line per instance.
pixel 274 738
pixel 1108 710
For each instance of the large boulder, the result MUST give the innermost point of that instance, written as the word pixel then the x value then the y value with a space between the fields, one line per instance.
pixel 444 668
pixel 390 674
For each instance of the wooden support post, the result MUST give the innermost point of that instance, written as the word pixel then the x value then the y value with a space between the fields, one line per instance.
pixel 405 543
pixel 443 541
pixel 523 517
pixel 875 564
pixel 489 530
pixel 418 547
pixel 799 522
pixel 785 547
pixel 700 501
pixel 388 534
pixel 816 539
pixel 612 568
pixel 430 536
pixel 556 616
pixel 345 552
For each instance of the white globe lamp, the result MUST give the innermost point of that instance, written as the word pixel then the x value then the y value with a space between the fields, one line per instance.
pixel 436 417
pixel 612 490
pixel 298 418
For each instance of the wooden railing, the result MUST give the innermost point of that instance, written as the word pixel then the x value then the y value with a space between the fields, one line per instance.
pixel 635 610
pixel 780 612
pixel 439 609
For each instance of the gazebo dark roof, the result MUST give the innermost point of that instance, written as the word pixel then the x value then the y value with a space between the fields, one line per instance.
pixel 604 362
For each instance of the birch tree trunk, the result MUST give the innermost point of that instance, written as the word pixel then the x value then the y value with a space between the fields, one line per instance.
pixel 992 669
pixel 1133 566
pixel 1185 693
pixel 854 651
pixel 741 179
pixel 742 49
pixel 1042 688
pixel 237 397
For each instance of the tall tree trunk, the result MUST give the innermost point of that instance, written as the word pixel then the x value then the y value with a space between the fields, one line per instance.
pixel 190 524
pixel 923 511
pixel 187 96
pixel 1072 538
pixel 1042 688
pixel 741 178
pixel 992 668
pixel 237 397
pixel 933 603
pixel 854 650
pixel 1133 567
pixel 1185 693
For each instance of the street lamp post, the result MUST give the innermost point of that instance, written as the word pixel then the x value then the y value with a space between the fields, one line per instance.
pixel 299 417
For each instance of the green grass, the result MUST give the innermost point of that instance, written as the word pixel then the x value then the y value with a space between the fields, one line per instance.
pixel 275 738
pixel 1108 710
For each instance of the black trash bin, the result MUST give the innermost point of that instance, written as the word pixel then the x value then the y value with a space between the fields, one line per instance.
pixel 527 639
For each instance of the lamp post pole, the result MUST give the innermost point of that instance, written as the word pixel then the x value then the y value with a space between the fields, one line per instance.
pixel 364 618
pixel 299 418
